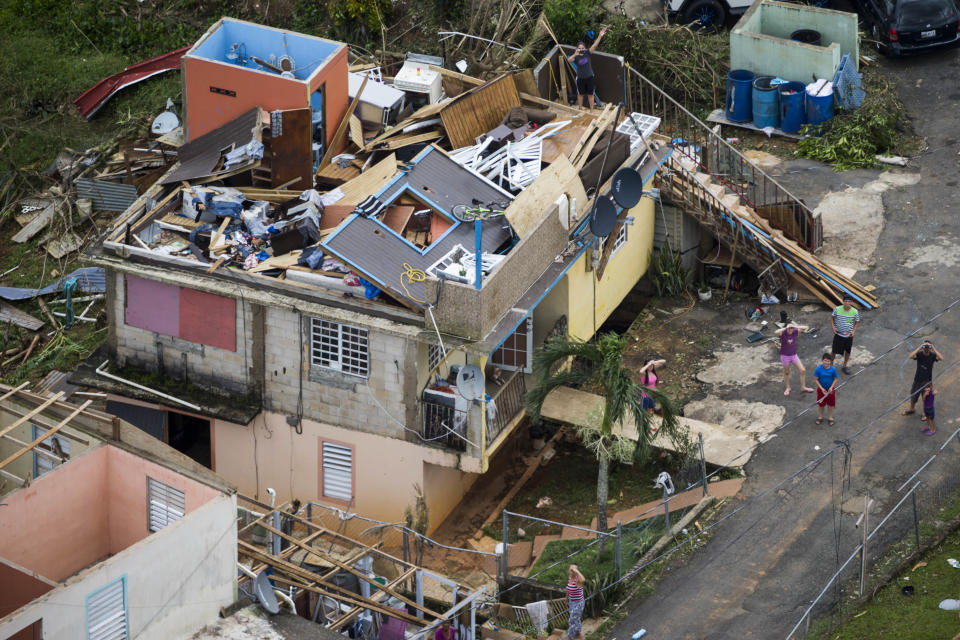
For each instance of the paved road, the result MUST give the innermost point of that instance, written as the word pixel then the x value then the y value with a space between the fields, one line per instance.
pixel 764 565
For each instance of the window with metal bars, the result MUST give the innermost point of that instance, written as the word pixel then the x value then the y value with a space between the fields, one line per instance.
pixel 337 478
pixel 107 612
pixel 434 356
pixel 340 347
pixel 165 504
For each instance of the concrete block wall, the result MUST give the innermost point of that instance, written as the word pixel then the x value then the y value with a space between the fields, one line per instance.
pixel 336 398
pixel 201 365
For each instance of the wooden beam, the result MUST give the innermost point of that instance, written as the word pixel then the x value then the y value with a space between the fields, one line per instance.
pixel 46 435
pixel 305 574
pixel 414 139
pixel 349 569
pixel 353 599
pixel 14 390
pixel 32 413
pixel 286 553
pixel 350 615
pixel 342 128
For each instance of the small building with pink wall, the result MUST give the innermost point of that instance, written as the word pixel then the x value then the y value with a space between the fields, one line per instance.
pixel 228 71
pixel 114 542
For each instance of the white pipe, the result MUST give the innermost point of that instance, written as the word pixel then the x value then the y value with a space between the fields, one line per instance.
pixel 283 596
pixel 273 496
pixel 103 373
pixel 99 296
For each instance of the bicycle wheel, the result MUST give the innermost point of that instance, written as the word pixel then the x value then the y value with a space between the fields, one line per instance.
pixel 463 213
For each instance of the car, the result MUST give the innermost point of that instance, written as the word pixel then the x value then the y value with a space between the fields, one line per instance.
pixel 712 14
pixel 900 27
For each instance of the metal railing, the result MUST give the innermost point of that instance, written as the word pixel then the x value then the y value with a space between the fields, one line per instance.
pixel 716 157
pixel 509 403
pixel 443 425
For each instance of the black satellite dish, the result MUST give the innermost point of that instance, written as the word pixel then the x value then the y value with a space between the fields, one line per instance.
pixel 627 187
pixel 603 217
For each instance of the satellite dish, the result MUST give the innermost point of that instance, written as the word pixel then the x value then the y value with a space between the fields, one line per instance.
pixel 287 63
pixel 627 187
pixel 470 382
pixel 603 217
pixel 265 595
pixel 165 123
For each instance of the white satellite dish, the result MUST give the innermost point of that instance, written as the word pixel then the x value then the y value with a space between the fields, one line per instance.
pixel 470 382
pixel 265 595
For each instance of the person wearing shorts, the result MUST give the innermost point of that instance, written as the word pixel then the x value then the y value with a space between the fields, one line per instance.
pixel 826 375
pixel 788 355
pixel 928 394
pixel 925 355
pixel 845 320
pixel 649 380
pixel 586 81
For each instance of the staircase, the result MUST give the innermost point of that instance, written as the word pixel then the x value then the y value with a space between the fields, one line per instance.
pixel 723 189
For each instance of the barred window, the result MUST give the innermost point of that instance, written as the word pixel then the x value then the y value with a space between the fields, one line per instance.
pixel 434 356
pixel 340 347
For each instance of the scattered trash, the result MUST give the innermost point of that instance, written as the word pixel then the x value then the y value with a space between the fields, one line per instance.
pixel 950 605
pixel 664 482
pixel 521 532
pixel 918 565
pixel 898 161
pixel 545 501
pixel 816 447
pixel 639 634
pixel 953 563
pixel 908 590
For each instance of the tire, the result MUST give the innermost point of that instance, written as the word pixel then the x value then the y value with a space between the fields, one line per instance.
pixel 463 213
pixel 705 14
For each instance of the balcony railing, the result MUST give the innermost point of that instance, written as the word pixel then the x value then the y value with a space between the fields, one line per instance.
pixel 443 425
pixel 714 155
pixel 508 402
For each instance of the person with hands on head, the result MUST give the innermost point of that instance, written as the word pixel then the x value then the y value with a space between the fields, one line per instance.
pixel 788 354
pixel 575 599
pixel 925 355
pixel 649 380
pixel 845 320
pixel 586 81
pixel 826 375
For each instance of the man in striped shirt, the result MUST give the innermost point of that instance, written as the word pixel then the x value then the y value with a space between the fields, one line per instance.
pixel 845 320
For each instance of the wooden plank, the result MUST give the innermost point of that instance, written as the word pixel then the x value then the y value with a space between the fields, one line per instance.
pixel 216 236
pixel 14 390
pixel 159 206
pixel 342 594
pixel 38 409
pixel 334 147
pixel 526 97
pixel 397 143
pixel 354 599
pixel 479 110
pixel 527 209
pixel 216 265
pixel 525 82
pixel 370 181
pixel 349 569
pixel 36 225
pixel 356 131
pixel 9 313
pixel 350 615
pixel 278 262
pixel 47 434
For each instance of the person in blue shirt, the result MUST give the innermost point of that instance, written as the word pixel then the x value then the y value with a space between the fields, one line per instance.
pixel 826 376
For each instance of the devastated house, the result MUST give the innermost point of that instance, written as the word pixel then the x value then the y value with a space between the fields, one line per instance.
pixel 329 325
pixel 105 532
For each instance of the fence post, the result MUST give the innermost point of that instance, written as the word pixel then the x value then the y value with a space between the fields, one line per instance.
pixel 310 511
pixel 863 545
pixel 916 518
pixel 666 510
pixel 275 538
pixel 406 546
pixel 617 558
pixel 503 556
pixel 703 466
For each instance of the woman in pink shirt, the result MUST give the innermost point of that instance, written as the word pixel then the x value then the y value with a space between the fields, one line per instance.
pixel 648 373
pixel 788 355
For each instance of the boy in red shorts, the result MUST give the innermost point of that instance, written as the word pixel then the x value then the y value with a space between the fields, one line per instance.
pixel 826 376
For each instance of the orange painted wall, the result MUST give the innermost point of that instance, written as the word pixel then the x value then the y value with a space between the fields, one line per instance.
pixel 18 588
pixel 207 110
pixel 127 495
pixel 55 527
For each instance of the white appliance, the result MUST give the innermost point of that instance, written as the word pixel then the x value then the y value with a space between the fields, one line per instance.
pixel 417 77
pixel 379 103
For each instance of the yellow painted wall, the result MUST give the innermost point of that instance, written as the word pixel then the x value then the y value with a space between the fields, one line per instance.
pixel 591 302
pixel 269 453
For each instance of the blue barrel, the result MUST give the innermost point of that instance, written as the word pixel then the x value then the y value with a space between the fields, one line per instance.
pixel 739 100
pixel 792 116
pixel 820 107
pixel 766 105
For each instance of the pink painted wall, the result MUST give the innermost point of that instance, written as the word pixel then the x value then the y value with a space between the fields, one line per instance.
pixel 127 495
pixel 208 319
pixel 91 507
pixel 151 305
pixel 56 526
pixel 18 588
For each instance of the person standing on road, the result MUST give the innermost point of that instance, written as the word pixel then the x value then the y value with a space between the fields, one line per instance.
pixel 845 320
pixel 586 81
pixel 826 375
pixel 576 601
pixel 928 393
pixel 788 355
pixel 925 355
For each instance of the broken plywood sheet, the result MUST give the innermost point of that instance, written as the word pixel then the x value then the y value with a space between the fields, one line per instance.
pixel 278 262
pixel 9 313
pixel 37 224
pixel 67 243
pixel 479 110
pixel 369 182
pixel 526 211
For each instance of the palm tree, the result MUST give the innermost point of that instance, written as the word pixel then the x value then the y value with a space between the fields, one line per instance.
pixel 622 397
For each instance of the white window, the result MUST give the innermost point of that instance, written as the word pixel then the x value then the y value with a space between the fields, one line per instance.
pixel 620 241
pixel 434 356
pixel 165 504
pixel 516 352
pixel 107 612
pixel 340 347
pixel 337 479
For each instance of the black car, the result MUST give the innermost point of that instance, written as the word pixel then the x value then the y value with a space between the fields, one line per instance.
pixel 901 27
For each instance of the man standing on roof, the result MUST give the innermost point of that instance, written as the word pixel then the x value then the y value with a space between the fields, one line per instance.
pixel 845 320
pixel 586 82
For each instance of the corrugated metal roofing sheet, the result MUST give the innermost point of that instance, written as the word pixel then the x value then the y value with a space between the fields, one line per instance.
pixel 144 418
pixel 107 196
pixel 89 280
pixel 199 158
